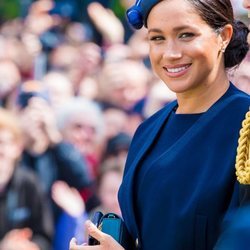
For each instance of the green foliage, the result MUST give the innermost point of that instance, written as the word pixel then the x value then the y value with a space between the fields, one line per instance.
pixel 116 6
pixel 9 9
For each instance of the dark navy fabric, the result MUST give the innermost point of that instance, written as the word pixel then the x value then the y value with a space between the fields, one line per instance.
pixel 237 234
pixel 191 188
pixel 175 126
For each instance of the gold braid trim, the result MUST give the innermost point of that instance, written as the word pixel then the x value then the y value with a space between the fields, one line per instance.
pixel 242 164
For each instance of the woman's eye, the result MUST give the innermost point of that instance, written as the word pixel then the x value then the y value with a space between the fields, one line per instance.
pixel 186 35
pixel 156 38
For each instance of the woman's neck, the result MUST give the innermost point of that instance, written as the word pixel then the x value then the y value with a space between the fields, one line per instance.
pixel 201 100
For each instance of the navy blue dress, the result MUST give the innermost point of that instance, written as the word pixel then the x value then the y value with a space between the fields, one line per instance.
pixel 179 182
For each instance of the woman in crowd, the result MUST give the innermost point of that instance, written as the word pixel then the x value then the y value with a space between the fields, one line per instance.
pixel 26 218
pixel 179 186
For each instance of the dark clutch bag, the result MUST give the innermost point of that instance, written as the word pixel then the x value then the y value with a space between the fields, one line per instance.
pixel 113 225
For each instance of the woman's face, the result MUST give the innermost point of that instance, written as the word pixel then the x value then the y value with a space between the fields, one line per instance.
pixel 184 50
pixel 81 132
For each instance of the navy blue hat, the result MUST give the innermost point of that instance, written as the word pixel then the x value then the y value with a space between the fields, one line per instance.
pixel 138 13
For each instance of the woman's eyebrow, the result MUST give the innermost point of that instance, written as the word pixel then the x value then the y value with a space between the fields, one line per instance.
pixel 155 30
pixel 175 29
pixel 182 27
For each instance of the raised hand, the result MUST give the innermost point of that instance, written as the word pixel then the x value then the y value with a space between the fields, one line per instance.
pixel 68 198
pixel 107 23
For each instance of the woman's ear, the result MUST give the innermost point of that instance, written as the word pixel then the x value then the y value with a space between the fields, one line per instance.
pixel 226 35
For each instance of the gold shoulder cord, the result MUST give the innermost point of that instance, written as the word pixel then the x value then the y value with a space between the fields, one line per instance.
pixel 242 164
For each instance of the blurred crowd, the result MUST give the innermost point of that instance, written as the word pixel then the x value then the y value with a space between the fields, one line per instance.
pixel 75 82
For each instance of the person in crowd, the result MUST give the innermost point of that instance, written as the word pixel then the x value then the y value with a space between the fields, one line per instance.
pixel 10 78
pixel 117 148
pixel 71 222
pixel 108 183
pixel 62 57
pixel 116 121
pixel 120 89
pixel 76 61
pixel 114 154
pixel 45 151
pixel 80 122
pixel 179 186
pixel 17 51
pixel 107 23
pixel 88 88
pixel 141 51
pixel 59 88
pixel 26 218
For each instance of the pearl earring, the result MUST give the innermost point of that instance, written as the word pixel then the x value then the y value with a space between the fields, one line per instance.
pixel 222 49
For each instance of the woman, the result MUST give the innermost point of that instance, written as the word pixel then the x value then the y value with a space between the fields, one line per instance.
pixel 179 185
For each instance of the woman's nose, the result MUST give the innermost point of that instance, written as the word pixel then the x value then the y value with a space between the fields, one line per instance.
pixel 172 51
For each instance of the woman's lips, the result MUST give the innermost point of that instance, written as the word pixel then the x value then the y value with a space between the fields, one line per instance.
pixel 176 70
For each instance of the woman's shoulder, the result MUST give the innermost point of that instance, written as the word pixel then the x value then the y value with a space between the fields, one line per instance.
pixel 234 101
pixel 240 100
pixel 239 94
